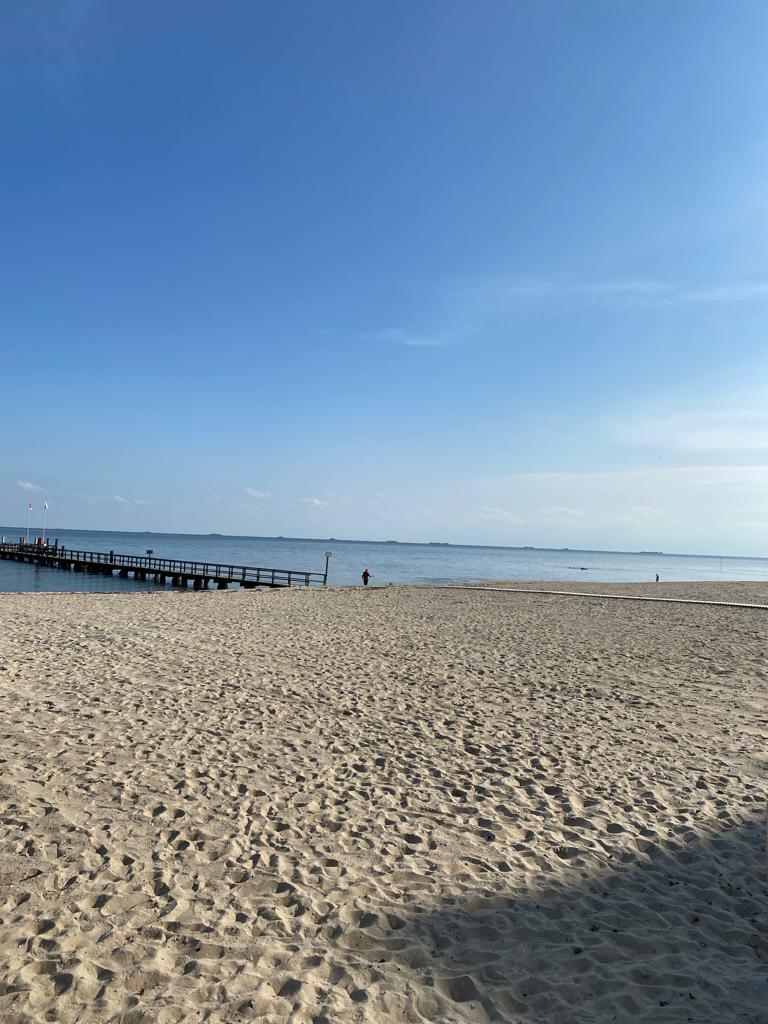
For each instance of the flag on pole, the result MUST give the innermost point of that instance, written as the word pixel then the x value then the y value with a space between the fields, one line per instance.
pixel 45 505
pixel 29 506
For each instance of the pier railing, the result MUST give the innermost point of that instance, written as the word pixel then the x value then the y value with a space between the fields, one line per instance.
pixel 147 565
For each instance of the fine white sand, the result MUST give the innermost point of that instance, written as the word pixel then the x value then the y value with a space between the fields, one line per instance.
pixel 393 805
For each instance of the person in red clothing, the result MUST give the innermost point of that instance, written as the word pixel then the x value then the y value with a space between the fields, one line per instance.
pixel 366 576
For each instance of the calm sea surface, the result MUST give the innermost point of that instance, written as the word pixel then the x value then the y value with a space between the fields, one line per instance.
pixel 389 563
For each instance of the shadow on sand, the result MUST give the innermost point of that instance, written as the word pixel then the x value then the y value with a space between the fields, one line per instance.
pixel 673 935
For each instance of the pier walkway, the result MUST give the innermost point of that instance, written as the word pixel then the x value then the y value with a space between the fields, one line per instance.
pixel 177 572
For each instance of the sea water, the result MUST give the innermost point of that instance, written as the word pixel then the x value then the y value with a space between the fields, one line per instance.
pixel 388 562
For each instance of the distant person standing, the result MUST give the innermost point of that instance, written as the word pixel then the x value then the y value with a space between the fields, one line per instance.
pixel 657 577
pixel 366 576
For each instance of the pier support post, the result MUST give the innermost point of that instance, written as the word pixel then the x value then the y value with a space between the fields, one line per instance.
pixel 123 574
pixel 223 585
pixel 197 583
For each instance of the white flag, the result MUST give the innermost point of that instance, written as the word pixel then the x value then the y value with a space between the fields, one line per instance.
pixel 45 505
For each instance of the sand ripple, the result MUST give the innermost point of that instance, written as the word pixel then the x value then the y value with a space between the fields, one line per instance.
pixel 397 805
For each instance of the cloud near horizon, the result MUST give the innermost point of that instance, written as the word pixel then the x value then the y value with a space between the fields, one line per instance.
pixel 500 515
pixel 684 508
pixel 563 512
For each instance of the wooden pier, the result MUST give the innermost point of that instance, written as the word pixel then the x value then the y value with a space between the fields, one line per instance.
pixel 177 572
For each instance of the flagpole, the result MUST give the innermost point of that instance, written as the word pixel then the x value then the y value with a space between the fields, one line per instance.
pixel 45 516
pixel 29 518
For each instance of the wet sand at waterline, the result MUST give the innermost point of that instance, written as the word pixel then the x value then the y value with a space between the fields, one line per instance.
pixel 394 805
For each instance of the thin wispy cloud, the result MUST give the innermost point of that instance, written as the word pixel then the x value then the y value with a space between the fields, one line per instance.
pixel 745 291
pixel 315 502
pixel 627 290
pixel 639 515
pixel 651 507
pixel 468 306
pixel 563 512
pixel 118 499
pixel 499 515
pixel 253 492
pixel 559 513
pixel 399 336
pixel 625 287
pixel 726 430
pixel 710 475
pixel 28 487
pixel 533 289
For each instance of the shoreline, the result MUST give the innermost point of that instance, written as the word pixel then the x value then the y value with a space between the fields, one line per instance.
pixel 674 589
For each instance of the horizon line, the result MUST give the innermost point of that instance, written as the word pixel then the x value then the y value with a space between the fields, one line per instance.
pixel 404 543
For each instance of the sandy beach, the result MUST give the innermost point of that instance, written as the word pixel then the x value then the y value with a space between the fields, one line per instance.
pixel 392 805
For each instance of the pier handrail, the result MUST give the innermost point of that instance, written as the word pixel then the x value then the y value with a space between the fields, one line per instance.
pixel 172 566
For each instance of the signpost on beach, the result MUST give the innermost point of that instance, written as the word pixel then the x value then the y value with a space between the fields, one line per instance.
pixel 327 557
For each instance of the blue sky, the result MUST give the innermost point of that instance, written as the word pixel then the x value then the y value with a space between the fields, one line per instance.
pixel 489 272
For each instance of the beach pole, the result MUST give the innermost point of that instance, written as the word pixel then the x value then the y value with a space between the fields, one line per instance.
pixel 327 557
pixel 29 518
pixel 45 517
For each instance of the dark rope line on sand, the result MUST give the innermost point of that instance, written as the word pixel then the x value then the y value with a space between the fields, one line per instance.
pixel 606 597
